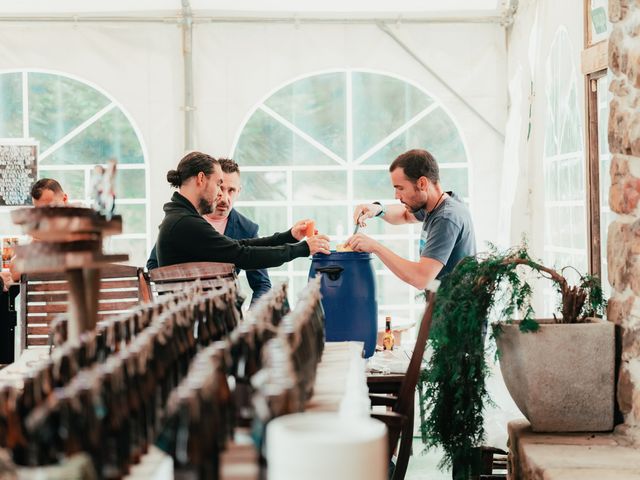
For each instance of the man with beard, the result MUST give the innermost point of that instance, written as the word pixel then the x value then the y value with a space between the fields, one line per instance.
pixel 231 223
pixel 447 234
pixel 185 236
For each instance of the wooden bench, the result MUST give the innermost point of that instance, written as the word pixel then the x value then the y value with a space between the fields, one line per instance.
pixel 45 296
pixel 173 277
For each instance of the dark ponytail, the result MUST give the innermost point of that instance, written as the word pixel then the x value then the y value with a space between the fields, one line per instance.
pixel 190 165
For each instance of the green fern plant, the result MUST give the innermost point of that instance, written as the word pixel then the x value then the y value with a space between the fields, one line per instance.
pixel 452 387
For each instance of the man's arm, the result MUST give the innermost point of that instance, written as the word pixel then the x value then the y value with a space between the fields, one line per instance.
pixel 152 262
pixel 398 215
pixel 394 214
pixel 192 239
pixel 419 274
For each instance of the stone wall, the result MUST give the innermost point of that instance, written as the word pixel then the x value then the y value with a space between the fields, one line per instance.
pixel 623 244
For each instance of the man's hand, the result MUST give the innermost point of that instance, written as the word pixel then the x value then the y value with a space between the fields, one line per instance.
pixel 364 211
pixel 361 243
pixel 318 244
pixel 299 229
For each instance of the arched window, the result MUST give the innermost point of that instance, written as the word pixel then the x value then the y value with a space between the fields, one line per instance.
pixel 564 175
pixel 77 126
pixel 321 144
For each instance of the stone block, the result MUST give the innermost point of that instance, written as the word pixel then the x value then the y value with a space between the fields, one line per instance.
pixel 630 343
pixel 618 9
pixel 620 118
pixel 612 136
pixel 633 269
pixel 625 188
pixel 619 87
pixel 625 390
pixel 635 410
pixel 618 310
pixel 617 251
pixel 630 63
pixel 616 40
pixel 634 136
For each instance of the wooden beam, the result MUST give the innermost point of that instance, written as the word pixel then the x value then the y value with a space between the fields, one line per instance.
pixel 586 11
pixel 595 58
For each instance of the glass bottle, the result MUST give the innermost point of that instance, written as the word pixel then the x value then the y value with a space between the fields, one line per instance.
pixel 388 338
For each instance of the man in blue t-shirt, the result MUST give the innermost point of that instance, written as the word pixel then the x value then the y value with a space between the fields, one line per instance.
pixel 447 234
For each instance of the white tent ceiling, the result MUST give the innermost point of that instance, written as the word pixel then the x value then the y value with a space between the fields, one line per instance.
pixel 249 7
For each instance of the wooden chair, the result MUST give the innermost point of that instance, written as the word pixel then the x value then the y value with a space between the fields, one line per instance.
pixel 398 393
pixel 172 278
pixel 44 296
pixel 493 464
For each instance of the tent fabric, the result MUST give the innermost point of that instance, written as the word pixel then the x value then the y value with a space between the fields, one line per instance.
pixel 237 66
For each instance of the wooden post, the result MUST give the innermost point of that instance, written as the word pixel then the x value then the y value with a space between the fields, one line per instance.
pixel 77 304
pixel 92 293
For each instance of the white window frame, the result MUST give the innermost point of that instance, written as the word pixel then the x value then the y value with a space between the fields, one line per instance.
pixel 411 304
pixel 87 168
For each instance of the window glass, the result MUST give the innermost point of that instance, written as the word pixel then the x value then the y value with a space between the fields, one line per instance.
pixel 77 127
pixel 266 141
pixel 299 151
pixel 606 215
pixel 271 186
pixel 436 132
pixel 374 115
pixel 372 185
pixel 57 105
pixel 270 219
pixel 111 136
pixel 331 185
pixel 11 105
pixel 130 183
pixel 72 181
pixel 565 242
pixel 317 106
pixel 328 218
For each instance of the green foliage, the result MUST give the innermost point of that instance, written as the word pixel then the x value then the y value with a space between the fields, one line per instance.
pixel 454 380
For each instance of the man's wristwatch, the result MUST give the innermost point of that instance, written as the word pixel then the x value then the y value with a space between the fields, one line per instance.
pixel 382 209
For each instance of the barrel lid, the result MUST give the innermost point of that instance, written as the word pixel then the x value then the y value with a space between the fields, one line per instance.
pixel 342 256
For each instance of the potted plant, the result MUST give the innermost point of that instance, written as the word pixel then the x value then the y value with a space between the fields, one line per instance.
pixel 453 384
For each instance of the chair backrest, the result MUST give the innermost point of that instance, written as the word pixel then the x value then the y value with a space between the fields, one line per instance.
pixel 44 296
pixel 172 278
pixel 406 394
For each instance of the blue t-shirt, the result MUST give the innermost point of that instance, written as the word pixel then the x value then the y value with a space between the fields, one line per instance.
pixel 447 233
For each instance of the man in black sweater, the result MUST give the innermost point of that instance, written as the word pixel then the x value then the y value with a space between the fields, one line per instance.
pixel 187 237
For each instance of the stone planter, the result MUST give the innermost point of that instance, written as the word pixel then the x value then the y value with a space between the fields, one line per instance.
pixel 561 377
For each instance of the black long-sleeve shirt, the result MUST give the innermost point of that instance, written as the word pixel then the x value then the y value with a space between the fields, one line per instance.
pixel 185 236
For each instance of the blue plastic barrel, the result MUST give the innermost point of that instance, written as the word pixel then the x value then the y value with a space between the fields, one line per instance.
pixel 348 288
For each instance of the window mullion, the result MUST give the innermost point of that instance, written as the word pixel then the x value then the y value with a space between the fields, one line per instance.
pixel 79 129
pixel 25 105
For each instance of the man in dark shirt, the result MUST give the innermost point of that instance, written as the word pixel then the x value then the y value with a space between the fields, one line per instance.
pixel 185 236
pixel 231 223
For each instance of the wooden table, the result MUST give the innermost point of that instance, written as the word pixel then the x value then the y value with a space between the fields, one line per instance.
pixel 240 460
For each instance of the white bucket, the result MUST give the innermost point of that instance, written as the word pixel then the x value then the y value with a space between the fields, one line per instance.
pixel 321 446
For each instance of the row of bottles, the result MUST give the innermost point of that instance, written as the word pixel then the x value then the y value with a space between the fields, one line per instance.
pixel 110 407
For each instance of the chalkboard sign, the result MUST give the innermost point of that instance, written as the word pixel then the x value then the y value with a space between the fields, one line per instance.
pixel 18 171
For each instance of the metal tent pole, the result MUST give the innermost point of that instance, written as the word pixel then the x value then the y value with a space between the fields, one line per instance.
pixel 187 56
